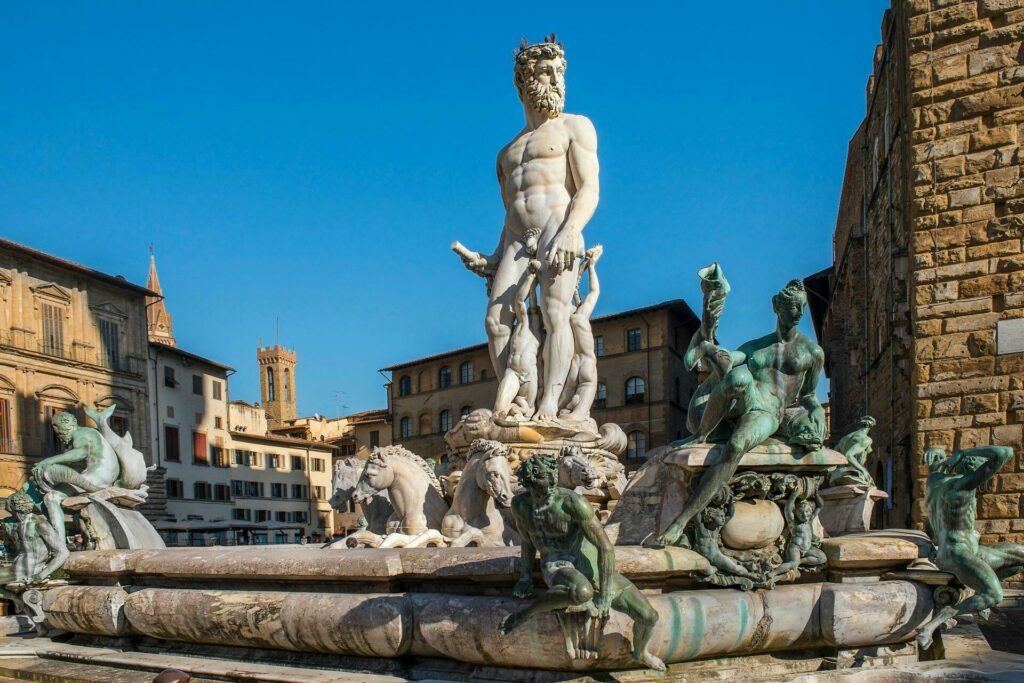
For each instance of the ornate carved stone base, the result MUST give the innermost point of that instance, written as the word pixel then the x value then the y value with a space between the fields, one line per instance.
pixel 599 447
pixel 759 530
pixel 848 509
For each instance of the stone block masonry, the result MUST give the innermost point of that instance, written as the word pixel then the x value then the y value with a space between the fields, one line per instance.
pixel 967 113
pixel 928 267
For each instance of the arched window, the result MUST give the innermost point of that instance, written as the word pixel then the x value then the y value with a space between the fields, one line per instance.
pixel 601 400
pixel 270 384
pixel 425 424
pixel 404 385
pixel 466 373
pixel 634 390
pixel 406 427
pixel 444 377
pixel 287 385
pixel 446 420
pixel 636 446
pixel 466 410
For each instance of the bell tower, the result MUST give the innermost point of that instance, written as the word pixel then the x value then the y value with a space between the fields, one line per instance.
pixel 277 382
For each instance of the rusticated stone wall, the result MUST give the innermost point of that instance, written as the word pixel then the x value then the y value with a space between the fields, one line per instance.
pixel 967 91
pixel 928 268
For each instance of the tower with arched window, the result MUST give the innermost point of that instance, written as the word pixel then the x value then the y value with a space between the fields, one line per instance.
pixel 277 382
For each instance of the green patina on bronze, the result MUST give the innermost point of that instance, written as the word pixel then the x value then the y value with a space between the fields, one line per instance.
pixel 950 502
pixel 765 388
pixel 577 560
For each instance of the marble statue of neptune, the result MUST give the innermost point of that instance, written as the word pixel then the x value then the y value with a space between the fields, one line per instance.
pixel 548 176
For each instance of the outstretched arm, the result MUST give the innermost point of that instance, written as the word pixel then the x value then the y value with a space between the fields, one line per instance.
pixel 58 550
pixel 73 455
pixel 594 532
pixel 995 457
pixel 585 171
pixel 528 553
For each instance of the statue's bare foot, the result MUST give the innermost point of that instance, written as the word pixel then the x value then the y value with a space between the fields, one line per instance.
pixel 546 411
pixel 649 660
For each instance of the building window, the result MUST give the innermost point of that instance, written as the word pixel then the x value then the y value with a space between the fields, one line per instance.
pixel 444 377
pixel 278 491
pixel 636 446
pixel 217 391
pixel 634 390
pixel 53 330
pixel 374 438
pixel 300 516
pixel 218 422
pixel 466 410
pixel 465 373
pixel 424 424
pixel 273 461
pixel 6 435
pixel 405 385
pixel 241 515
pixel 170 412
pixel 174 488
pixel 110 343
pixel 298 463
pixel 202 490
pixel 172 444
pixel 281 516
pixel 197 385
pixel 406 427
pixel 169 380
pixel 320 493
pixel 270 384
pixel 601 399
pixel 263 515
pixel 317 464
pixel 221 492
pixel 599 346
pixel 200 456
pixel 300 491
pixel 446 421
pixel 219 457
pixel 633 340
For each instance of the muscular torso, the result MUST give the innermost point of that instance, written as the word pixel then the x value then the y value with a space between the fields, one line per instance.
pixel 536 183
pixel 779 368
pixel 555 532
pixel 951 513
pixel 101 464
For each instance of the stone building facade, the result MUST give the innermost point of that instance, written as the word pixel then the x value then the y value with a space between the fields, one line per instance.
pixel 922 312
pixel 224 478
pixel 69 336
pixel 643 388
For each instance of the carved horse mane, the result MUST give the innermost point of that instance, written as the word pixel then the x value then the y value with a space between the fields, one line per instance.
pixel 381 453
pixel 475 516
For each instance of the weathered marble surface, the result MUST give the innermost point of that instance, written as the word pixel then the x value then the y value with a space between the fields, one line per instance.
pixel 299 563
pixel 876 549
pixel 848 508
pixel 692 624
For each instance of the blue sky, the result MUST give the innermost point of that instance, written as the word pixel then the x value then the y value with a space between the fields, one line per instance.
pixel 312 163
